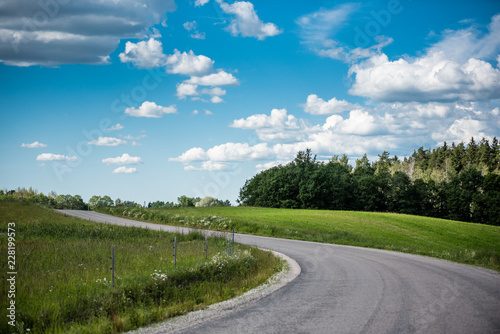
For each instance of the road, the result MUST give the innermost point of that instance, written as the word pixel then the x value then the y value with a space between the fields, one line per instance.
pixel 344 289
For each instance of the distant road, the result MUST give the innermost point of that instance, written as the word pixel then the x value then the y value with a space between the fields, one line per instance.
pixel 344 289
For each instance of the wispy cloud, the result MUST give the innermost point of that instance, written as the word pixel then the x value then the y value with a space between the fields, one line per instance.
pixel 115 127
pixel 125 170
pixel 107 141
pixel 54 157
pixel 35 144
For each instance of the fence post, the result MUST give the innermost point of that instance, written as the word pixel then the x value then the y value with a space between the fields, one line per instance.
pixel 113 266
pixel 206 247
pixel 175 252
pixel 232 248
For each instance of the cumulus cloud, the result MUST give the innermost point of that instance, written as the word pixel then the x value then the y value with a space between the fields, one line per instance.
pixel 317 106
pixel 125 170
pixel 125 159
pixel 193 154
pixel 186 89
pixel 86 32
pixel 216 99
pixel 144 54
pixel 455 68
pixel 225 153
pixel 385 127
pixel 245 21
pixel 35 144
pixel 360 122
pixel 150 110
pixel 188 63
pixel 221 78
pixel 433 77
pixel 463 129
pixel 54 157
pixel 278 126
pixel 107 141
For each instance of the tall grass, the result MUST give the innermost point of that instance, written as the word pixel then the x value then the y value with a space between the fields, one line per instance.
pixel 469 243
pixel 64 276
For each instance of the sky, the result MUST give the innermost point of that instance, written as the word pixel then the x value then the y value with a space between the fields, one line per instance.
pixel 147 100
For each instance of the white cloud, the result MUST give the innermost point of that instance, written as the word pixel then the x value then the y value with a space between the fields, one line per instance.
pixel 220 78
pixel 125 159
pixel 317 106
pixel 115 127
pixel 85 32
pixel 193 154
pixel 216 91
pixel 54 157
pixel 195 112
pixel 463 129
pixel 278 126
pixel 192 27
pixel 188 63
pixel 216 99
pixel 125 170
pixel 208 166
pixel 35 144
pixel 360 122
pixel 454 69
pixel 460 45
pixel 107 141
pixel 200 2
pixel 246 22
pixel 277 119
pixel 432 77
pixel 268 165
pixel 318 29
pixel 151 110
pixel 321 25
pixel 144 54
pixel 225 153
pixel 238 152
pixel 186 89
pixel 208 112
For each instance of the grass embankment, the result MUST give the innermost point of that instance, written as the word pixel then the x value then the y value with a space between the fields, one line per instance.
pixel 63 273
pixel 451 240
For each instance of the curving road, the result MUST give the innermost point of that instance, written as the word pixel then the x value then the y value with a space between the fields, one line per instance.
pixel 344 289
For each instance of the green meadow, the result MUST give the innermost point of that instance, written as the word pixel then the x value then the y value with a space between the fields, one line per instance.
pixel 63 281
pixel 468 243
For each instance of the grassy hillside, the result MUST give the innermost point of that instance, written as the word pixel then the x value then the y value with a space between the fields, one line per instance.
pixel 63 281
pixel 456 241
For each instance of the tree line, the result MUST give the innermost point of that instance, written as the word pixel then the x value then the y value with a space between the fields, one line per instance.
pixel 75 202
pixel 459 182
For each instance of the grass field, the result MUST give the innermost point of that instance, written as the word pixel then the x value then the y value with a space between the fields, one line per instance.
pixel 63 281
pixel 456 241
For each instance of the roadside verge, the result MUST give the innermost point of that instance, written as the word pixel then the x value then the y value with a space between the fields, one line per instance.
pixel 290 271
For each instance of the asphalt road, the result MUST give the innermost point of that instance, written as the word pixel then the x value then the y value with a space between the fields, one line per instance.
pixel 344 289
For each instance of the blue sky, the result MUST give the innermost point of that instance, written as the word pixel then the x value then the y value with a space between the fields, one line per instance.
pixel 150 100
